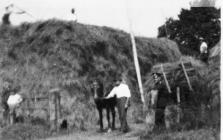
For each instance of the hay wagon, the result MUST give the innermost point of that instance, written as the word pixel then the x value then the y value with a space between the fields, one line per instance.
pixel 181 74
pixel 178 81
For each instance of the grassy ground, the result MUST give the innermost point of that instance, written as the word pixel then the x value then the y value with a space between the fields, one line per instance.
pixel 137 133
pixel 92 134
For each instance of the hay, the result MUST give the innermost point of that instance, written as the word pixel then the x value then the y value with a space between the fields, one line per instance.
pixel 215 51
pixel 56 52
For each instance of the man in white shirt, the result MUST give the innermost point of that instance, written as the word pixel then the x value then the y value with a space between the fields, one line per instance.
pixel 204 47
pixel 74 15
pixel 203 51
pixel 122 93
pixel 8 11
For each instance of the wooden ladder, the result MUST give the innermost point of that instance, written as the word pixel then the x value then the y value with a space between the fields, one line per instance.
pixel 165 79
pixel 186 74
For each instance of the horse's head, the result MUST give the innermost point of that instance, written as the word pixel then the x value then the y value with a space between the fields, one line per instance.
pixel 97 89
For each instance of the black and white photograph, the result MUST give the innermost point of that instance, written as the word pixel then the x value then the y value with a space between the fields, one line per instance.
pixel 110 70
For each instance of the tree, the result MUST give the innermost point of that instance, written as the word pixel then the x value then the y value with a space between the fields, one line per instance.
pixel 192 24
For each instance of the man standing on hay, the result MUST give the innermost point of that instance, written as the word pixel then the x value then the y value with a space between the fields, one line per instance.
pixel 122 92
pixel 73 12
pixel 8 11
pixel 203 51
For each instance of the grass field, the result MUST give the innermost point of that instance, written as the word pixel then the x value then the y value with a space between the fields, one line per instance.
pixel 137 133
pixel 92 134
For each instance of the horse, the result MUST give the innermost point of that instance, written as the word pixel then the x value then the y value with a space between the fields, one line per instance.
pixel 102 103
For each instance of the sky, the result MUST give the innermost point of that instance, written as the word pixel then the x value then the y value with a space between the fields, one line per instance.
pixel 145 15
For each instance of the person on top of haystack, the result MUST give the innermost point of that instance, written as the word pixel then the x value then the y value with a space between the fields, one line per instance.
pixel 123 94
pixel 203 50
pixel 8 11
pixel 73 12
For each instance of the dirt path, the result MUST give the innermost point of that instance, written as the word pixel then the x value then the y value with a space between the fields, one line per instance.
pixel 136 131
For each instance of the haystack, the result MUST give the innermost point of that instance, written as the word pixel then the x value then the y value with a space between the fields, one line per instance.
pixel 69 55
pixel 56 53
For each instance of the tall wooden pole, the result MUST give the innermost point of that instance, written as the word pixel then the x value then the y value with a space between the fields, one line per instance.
pixel 136 62
pixel 135 56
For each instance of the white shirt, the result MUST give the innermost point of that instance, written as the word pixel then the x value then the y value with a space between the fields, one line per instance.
pixel 13 100
pixel 120 91
pixel 203 47
pixel 73 17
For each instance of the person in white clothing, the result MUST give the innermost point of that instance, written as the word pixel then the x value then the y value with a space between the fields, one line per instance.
pixel 204 47
pixel 123 94
pixel 74 15
pixel 8 11
pixel 203 51
pixel 13 102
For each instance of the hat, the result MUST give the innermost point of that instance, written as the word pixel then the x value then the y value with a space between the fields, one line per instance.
pixel 155 73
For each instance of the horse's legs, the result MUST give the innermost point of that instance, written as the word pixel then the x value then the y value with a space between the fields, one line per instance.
pixel 100 118
pixel 108 117
pixel 113 117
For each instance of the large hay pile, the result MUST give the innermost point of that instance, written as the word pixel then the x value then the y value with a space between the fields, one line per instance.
pixel 53 53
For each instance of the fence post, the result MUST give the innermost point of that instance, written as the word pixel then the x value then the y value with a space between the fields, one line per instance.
pixel 178 102
pixel 54 109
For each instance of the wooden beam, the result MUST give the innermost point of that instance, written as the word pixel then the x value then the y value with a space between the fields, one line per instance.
pixel 187 78
pixel 165 79
pixel 136 62
pixel 178 95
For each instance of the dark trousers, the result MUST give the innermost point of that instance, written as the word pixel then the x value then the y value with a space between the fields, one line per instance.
pixel 204 57
pixel 122 111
